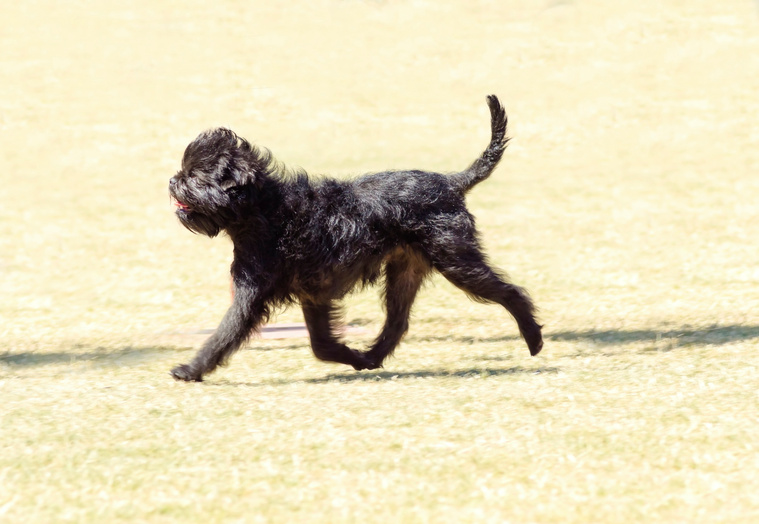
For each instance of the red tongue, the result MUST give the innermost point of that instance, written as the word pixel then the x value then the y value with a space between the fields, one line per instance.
pixel 180 205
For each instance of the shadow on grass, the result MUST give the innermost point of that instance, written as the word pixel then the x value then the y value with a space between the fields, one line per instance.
pixel 112 356
pixel 674 338
pixel 387 376
pixel 382 376
pixel 116 357
pixel 686 336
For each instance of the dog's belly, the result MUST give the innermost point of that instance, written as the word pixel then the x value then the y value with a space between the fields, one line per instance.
pixel 334 282
pixel 331 283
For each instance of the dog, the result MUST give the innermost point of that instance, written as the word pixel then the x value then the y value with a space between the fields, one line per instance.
pixel 310 241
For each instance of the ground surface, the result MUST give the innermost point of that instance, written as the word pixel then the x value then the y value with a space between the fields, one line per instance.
pixel 626 204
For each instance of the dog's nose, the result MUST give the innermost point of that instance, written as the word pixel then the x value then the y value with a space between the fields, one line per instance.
pixel 172 181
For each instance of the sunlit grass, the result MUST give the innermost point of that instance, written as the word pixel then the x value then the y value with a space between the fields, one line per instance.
pixel 626 204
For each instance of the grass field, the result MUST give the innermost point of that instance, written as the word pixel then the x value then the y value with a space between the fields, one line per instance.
pixel 627 203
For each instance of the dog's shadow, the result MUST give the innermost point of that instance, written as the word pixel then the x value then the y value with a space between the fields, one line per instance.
pixel 126 356
pixel 463 373
pixel 385 376
pixel 685 335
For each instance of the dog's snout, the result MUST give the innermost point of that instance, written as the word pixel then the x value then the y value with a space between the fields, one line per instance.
pixel 173 181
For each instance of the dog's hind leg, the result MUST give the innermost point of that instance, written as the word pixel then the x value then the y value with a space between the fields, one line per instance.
pixel 404 274
pixel 320 319
pixel 466 268
pixel 246 313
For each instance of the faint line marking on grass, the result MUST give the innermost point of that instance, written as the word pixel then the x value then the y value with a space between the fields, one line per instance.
pixel 461 339
pixel 279 331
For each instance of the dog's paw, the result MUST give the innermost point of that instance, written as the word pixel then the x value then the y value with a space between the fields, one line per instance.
pixel 534 339
pixel 361 361
pixel 369 361
pixel 186 373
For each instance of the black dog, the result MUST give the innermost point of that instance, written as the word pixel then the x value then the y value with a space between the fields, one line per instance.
pixel 306 241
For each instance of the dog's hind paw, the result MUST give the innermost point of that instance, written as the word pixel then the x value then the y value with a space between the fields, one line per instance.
pixel 186 373
pixel 534 339
pixel 362 361
pixel 370 361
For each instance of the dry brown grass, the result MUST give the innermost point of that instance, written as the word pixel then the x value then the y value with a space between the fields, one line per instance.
pixel 627 204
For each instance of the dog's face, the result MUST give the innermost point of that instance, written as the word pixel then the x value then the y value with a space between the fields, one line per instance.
pixel 218 170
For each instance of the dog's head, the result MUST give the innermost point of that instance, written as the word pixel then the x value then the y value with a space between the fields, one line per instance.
pixel 220 170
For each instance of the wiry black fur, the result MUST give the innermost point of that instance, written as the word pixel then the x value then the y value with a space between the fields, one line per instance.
pixel 311 241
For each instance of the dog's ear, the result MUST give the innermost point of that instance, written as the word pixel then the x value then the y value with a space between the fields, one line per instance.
pixel 228 159
pixel 229 183
pixel 239 172
pixel 248 167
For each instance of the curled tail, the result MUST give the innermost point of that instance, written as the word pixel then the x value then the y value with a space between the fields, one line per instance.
pixel 483 166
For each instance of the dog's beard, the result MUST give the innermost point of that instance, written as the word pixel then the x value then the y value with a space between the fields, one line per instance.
pixel 195 218
pixel 198 222
pixel 201 208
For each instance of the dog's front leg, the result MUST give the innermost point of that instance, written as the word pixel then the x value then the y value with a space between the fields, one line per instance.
pixel 247 311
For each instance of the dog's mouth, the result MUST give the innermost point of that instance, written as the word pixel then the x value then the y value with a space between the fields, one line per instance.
pixel 181 206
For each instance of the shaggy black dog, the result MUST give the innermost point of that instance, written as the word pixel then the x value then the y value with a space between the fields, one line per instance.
pixel 311 241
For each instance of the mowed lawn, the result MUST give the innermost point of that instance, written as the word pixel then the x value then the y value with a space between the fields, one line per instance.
pixel 627 203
